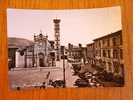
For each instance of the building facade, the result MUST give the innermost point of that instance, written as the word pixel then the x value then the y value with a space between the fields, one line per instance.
pixel 90 53
pixel 44 53
pixel 77 54
pixel 40 54
pixel 109 52
pixel 12 56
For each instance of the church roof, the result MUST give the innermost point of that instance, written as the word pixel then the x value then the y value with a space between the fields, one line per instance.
pixel 14 42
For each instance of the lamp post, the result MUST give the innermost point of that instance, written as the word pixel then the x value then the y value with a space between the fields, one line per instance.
pixel 64 70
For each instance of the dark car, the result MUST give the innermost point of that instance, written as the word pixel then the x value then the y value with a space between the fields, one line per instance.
pixel 76 68
pixel 57 83
pixel 81 83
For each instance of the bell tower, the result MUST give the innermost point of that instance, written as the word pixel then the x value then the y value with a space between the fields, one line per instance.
pixel 57 38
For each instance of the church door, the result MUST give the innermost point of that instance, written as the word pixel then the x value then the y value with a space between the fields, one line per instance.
pixel 41 59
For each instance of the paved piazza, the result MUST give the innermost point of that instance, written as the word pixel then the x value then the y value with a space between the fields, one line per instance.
pixel 27 77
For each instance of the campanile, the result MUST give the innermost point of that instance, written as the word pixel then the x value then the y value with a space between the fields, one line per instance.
pixel 57 38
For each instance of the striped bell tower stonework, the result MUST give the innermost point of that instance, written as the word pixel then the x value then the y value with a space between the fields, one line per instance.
pixel 57 38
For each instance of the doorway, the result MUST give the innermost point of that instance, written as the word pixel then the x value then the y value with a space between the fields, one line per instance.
pixel 41 59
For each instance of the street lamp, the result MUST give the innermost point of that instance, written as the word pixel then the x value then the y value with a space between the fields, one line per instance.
pixel 64 75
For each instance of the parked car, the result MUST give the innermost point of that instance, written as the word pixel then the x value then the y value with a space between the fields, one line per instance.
pixel 76 68
pixel 57 83
pixel 81 83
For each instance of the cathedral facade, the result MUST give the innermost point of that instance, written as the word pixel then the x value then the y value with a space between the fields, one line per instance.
pixel 44 52
pixel 40 54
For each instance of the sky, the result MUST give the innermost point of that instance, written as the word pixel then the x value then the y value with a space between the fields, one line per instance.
pixel 77 26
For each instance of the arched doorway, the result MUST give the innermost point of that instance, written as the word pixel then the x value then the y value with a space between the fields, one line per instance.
pixel 41 59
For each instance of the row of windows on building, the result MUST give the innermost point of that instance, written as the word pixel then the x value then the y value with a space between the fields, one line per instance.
pixel 110 53
pixel 114 41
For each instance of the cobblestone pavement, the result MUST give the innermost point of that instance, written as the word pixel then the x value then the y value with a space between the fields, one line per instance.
pixel 36 76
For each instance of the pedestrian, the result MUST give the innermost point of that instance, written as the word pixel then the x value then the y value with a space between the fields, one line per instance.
pixel 47 76
pixel 43 85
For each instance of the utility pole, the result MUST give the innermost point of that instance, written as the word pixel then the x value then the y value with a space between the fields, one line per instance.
pixel 25 66
pixel 64 70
